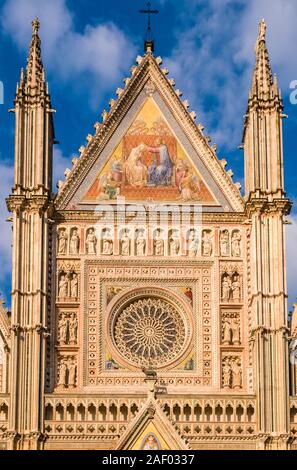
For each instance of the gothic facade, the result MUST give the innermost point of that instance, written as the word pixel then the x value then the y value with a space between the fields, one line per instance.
pixel 149 305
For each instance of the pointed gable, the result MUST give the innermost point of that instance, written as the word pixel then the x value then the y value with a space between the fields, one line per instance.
pixel 151 430
pixel 149 163
pixel 148 148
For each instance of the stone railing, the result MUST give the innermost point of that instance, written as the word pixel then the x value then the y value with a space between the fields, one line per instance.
pixel 101 415
pixel 212 416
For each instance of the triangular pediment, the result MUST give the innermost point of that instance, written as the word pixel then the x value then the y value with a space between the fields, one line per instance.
pixel 151 430
pixel 148 149
pixel 149 163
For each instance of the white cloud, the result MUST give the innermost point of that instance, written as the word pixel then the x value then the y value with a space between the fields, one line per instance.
pixel 291 233
pixel 6 172
pixel 55 17
pixel 280 16
pixel 103 52
pixel 204 68
pixel 214 57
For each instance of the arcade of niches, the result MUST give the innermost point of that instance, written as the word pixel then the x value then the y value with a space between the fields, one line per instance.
pixel 149 302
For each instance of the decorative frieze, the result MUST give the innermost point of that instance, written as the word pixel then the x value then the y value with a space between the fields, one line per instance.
pixel 134 241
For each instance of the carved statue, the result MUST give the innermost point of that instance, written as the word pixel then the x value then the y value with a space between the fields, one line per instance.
pixel 236 331
pixel 227 373
pixel 62 244
pixel 236 290
pixel 140 244
pixel 74 243
pixel 193 244
pixel 236 375
pixel 63 328
pixel 236 244
pixel 227 332
pixel 72 374
pixel 73 326
pixel 107 246
pixel 62 374
pixel 74 286
pixel 149 372
pixel 224 241
pixel 226 288
pixel 207 247
pixel 91 242
pixel 159 244
pixel 174 246
pixel 126 244
pixel 63 287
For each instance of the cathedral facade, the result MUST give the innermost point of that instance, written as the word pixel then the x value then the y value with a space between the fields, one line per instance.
pixel 149 304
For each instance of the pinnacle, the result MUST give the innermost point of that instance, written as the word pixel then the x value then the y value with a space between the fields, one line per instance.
pixel 35 69
pixel 262 31
pixel 35 25
pixel 263 83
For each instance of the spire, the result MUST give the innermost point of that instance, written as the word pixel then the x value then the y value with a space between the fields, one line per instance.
pixel 35 71
pixel 263 82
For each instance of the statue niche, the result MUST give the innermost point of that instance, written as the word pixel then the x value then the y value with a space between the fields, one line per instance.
pixel 232 373
pixel 68 286
pixel 231 334
pixel 73 286
pixel 207 243
pixel 91 242
pixel 107 243
pixel 225 243
pixel 231 288
pixel 67 372
pixel 63 287
pixel 67 329
pixel 159 244
pixel 62 242
pixel 236 244
pixel 125 243
pixel 193 243
pixel 74 242
pixel 174 243
pixel 140 243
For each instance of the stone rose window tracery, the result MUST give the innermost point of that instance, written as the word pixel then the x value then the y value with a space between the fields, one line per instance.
pixel 149 331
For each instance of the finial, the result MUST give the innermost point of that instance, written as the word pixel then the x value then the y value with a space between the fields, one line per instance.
pixel 35 25
pixel 22 79
pixel 262 30
pixel 149 42
pixel 149 47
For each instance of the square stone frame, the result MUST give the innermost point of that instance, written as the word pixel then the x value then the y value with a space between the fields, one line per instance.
pixel 99 274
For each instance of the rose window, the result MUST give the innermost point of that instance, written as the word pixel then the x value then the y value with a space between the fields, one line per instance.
pixel 149 331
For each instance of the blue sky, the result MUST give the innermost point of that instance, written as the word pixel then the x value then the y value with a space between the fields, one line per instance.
pixel 90 46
